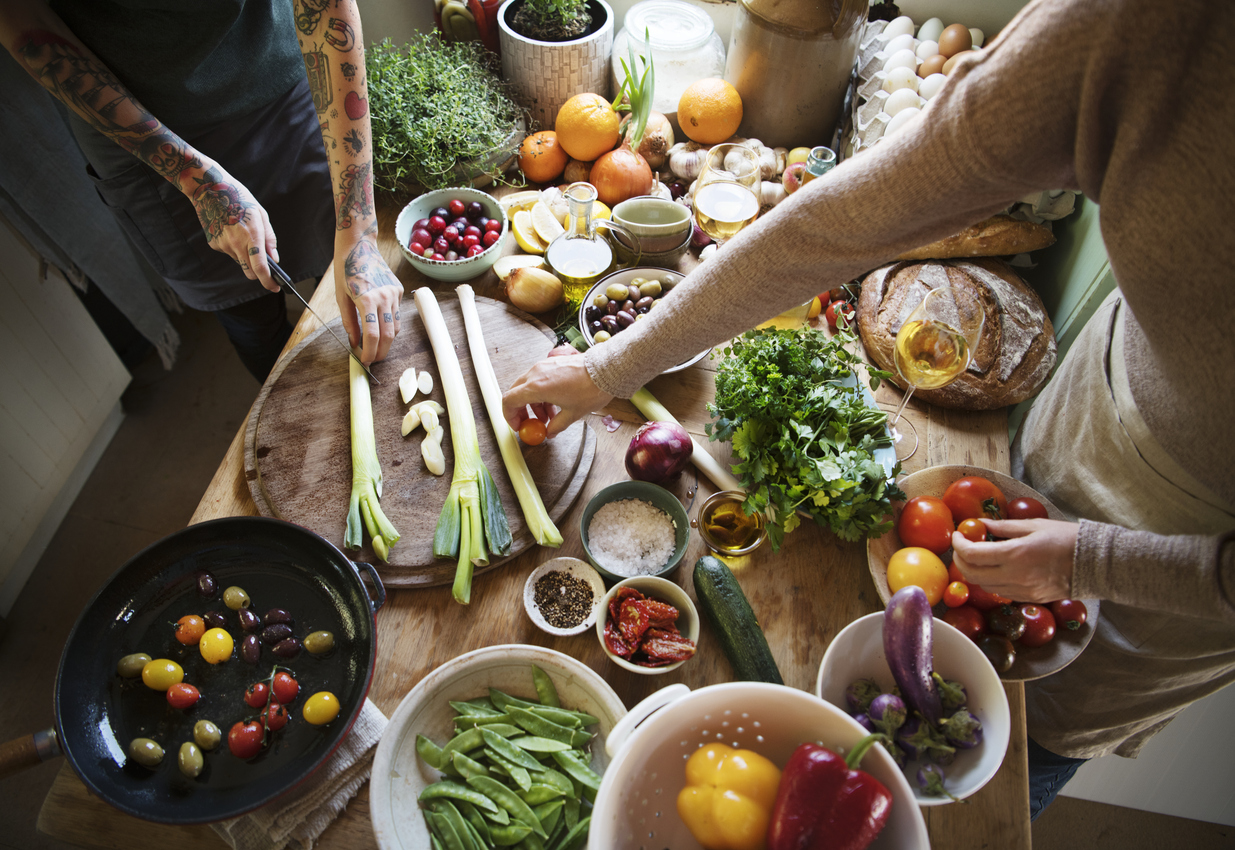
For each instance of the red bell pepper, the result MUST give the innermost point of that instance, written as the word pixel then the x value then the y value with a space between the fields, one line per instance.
pixel 825 803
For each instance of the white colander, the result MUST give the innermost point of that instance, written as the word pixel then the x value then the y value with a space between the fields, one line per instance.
pixel 636 807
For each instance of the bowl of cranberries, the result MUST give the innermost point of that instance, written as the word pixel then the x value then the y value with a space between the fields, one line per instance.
pixel 452 235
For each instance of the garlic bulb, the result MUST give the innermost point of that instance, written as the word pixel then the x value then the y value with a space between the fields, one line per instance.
pixel 771 193
pixel 534 290
pixel 686 159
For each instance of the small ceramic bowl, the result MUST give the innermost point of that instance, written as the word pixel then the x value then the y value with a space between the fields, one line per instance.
pixel 567 566
pixel 670 258
pixel 450 271
pixel 658 496
pixel 660 224
pixel 662 590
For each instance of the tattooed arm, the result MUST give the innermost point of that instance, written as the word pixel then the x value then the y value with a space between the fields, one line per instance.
pixel 330 40
pixel 234 222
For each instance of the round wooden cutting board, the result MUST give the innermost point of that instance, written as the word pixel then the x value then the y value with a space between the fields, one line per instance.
pixel 297 449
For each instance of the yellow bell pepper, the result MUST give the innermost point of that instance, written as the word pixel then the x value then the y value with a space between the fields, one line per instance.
pixel 728 797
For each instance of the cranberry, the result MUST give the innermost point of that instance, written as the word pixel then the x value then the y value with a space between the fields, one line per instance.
pixel 489 238
pixel 441 212
pixel 493 225
pixel 420 222
pixel 474 250
pixel 456 207
pixel 472 230
pixel 451 234
pixel 422 235
pixel 470 240
pixel 475 210
pixel 437 224
pixel 437 256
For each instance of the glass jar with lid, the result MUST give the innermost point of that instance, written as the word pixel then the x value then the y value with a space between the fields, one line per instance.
pixel 683 43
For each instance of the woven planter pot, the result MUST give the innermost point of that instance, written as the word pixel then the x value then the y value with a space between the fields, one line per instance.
pixel 545 74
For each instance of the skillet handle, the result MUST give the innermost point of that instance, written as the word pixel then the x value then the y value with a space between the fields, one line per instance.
pixel 377 585
pixel 16 756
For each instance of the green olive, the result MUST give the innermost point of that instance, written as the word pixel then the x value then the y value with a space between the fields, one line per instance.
pixel 190 760
pixel 235 598
pixel 617 292
pixel 130 667
pixel 601 300
pixel 668 282
pixel 601 336
pixel 206 734
pixel 651 287
pixel 145 752
pixel 319 643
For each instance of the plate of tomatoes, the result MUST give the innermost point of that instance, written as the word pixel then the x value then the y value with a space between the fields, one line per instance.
pixel 1023 641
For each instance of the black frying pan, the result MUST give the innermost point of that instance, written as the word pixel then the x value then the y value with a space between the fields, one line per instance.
pixel 279 565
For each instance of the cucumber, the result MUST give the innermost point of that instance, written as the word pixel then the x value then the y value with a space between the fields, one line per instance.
pixel 722 600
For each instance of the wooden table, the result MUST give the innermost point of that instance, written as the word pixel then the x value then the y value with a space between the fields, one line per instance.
pixel 803 595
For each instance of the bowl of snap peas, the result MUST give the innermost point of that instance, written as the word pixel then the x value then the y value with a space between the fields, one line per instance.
pixel 497 745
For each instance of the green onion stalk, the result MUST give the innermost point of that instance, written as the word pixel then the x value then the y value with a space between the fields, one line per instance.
pixel 473 512
pixel 365 503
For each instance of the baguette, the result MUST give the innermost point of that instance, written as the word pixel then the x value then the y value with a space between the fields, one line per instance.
pixel 997 236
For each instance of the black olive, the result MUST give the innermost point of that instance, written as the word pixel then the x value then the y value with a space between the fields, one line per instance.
pixel 215 619
pixel 612 307
pixel 287 648
pixel 644 304
pixel 596 327
pixel 635 294
pixel 278 615
pixel 249 622
pixel 276 633
pixel 207 587
pixel 611 323
pixel 628 306
pixel 251 649
pixel 625 319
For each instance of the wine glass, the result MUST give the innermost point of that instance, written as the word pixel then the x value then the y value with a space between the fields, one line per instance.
pixel 933 347
pixel 726 191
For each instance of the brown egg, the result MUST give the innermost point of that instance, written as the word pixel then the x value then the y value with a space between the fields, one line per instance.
pixel 933 65
pixel 954 39
pixel 951 63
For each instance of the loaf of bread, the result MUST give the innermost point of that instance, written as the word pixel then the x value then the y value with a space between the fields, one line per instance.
pixel 997 236
pixel 1015 353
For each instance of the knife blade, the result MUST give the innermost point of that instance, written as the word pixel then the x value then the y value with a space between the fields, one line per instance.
pixel 286 281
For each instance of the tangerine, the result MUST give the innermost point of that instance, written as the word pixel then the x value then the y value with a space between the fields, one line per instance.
pixel 710 111
pixel 587 126
pixel 541 158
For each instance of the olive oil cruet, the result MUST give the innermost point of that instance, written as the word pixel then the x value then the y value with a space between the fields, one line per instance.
pixel 582 255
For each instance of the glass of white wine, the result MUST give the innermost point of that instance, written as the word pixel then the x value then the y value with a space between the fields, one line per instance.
pixel 933 347
pixel 726 191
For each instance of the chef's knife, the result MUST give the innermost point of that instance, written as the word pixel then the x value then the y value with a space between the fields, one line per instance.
pixel 287 282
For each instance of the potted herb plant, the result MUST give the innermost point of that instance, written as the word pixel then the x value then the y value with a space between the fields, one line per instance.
pixel 553 50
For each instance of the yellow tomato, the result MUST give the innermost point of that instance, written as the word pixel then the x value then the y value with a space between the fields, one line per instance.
pixel 918 566
pixel 161 673
pixel 321 708
pixel 216 645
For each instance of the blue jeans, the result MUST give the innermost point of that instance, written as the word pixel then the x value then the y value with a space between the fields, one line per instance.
pixel 1048 774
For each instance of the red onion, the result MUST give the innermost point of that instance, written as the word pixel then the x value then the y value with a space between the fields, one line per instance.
pixel 658 451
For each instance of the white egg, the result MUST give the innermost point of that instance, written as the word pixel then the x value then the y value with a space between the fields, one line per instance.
pixel 900 78
pixel 930 87
pixel 900 119
pixel 900 100
pixel 899 26
pixel 902 59
pixel 930 30
pixel 901 42
pixel 927 49
pixel 978 36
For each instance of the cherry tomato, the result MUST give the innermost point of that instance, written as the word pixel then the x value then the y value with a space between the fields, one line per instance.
pixel 1039 625
pixel 183 696
pixel 974 496
pixel 1069 614
pixel 189 629
pixel 984 600
pixel 161 673
pixel 967 620
pixel 839 308
pixel 1026 508
pixel 216 645
pixel 925 521
pixel 1006 620
pixel 956 594
pixel 285 687
pixel 245 739
pixel 999 651
pixel 918 566
pixel 275 716
pixel 973 529
pixel 532 432
pixel 321 708
pixel 256 695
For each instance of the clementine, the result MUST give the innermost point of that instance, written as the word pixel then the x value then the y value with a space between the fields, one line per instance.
pixel 710 111
pixel 587 126
pixel 541 157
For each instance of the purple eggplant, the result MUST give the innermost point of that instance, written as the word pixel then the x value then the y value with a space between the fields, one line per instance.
pixel 920 740
pixel 930 780
pixel 894 750
pixel 952 695
pixel 864 721
pixel 962 730
pixel 859 694
pixel 888 713
pixel 908 646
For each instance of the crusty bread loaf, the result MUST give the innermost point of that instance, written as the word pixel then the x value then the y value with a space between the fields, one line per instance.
pixel 1015 353
pixel 997 236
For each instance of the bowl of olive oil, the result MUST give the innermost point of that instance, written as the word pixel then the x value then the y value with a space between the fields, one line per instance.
pixel 728 530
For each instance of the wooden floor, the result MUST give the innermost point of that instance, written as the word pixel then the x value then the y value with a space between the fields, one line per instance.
pixel 177 426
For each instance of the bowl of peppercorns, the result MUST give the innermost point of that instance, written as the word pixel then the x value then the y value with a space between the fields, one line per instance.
pixel 452 235
pixel 561 596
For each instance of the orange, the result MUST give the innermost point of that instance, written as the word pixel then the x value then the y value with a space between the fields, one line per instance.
pixel 541 158
pixel 710 111
pixel 587 126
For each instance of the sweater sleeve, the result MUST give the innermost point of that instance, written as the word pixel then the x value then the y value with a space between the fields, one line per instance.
pixel 1004 125
pixel 1189 575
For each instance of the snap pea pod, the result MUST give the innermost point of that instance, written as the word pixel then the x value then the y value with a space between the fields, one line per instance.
pixel 480 826
pixel 509 801
pixel 564 717
pixel 506 730
pixel 456 791
pixel 545 689
pixel 576 768
pixel 503 701
pixel 518 775
pixel 575 837
pixel 510 752
pixel 441 827
pixel 429 752
pixel 541 728
pixel 558 780
pixel 472 709
pixel 458 826
pixel 549 814
pixel 464 742
pixel 533 744
pixel 538 794
pixel 468 766
pixel 465 720
pixel 509 836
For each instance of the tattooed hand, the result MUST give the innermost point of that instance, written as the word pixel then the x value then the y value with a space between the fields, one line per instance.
pixel 365 287
pixel 235 223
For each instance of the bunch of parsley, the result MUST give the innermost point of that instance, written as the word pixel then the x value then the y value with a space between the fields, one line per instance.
pixel 806 440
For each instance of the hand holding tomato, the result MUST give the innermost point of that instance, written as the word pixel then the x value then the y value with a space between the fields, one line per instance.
pixel 1032 563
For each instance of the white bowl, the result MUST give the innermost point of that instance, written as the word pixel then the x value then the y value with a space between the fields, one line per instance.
pixel 399 776
pixel 578 569
pixel 450 271
pixel 636 806
pixel 656 588
pixel 857 653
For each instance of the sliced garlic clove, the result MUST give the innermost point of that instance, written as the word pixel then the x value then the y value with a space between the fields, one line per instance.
pixel 407 385
pixel 424 383
pixel 411 421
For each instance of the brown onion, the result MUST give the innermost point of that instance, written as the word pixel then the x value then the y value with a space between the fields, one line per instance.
pixel 621 174
pixel 657 139
pixel 658 451
pixel 534 290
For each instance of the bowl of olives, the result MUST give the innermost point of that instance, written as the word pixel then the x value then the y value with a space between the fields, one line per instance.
pixel 620 299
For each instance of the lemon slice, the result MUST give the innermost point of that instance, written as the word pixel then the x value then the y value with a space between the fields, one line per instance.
pixel 525 233
pixel 547 226
pixel 506 266
pixel 511 204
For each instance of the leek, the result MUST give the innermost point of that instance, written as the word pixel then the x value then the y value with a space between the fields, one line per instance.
pixel 708 465
pixel 538 521
pixel 473 511
pixel 365 505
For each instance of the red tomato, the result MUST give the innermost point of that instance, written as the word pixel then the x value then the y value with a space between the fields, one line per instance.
pixel 245 739
pixel 274 716
pixel 1039 625
pixel 1026 508
pixel 954 573
pixel 967 620
pixel 925 521
pixel 1069 613
pixel 972 497
pixel 189 629
pixel 183 696
pixel 256 695
pixel 956 594
pixel 973 529
pixel 985 601
pixel 285 688
pixel 841 308
pixel 532 432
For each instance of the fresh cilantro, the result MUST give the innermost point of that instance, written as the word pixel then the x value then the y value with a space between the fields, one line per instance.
pixel 804 440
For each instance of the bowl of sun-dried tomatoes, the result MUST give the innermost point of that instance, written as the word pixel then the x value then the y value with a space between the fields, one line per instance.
pixel 647 625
